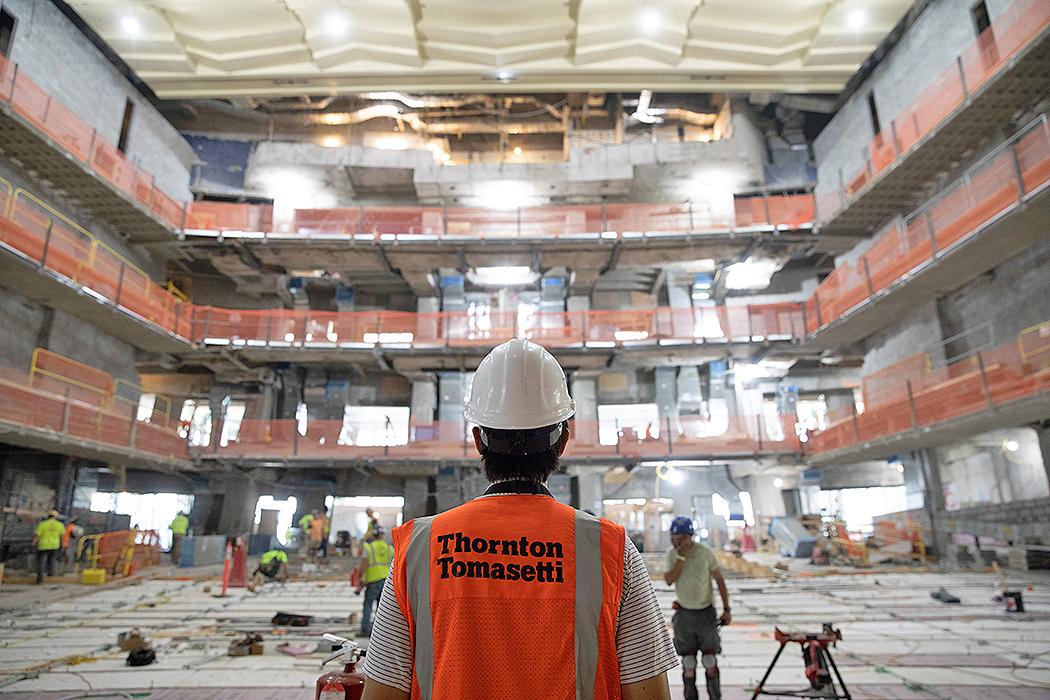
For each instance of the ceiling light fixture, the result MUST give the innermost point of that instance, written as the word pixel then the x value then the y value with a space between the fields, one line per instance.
pixel 131 26
pixel 778 482
pixel 504 76
pixel 1011 445
pixel 650 20
pixel 517 150
pixel 857 19
pixel 332 141
pixel 337 24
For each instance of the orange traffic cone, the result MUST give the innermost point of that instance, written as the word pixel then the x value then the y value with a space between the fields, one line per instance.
pixel 239 570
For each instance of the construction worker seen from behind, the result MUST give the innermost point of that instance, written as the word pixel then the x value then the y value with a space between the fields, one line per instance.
pixel 179 527
pixel 373 568
pixel 304 531
pixel 691 566
pixel 47 539
pixel 273 566
pixel 514 595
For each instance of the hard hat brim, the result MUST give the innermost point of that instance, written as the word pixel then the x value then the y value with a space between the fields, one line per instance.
pixel 487 419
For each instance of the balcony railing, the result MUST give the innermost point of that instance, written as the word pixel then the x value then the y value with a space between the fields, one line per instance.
pixel 37 231
pixel 976 65
pixel 576 221
pixel 914 394
pixel 1009 175
pixel 685 436
pixel 72 415
pixel 284 328
pixel 84 144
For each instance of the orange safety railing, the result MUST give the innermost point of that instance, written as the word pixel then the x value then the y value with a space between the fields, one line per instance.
pixel 120 553
pixel 922 398
pixel 981 60
pixel 684 436
pixel 57 410
pixel 41 233
pixel 999 182
pixel 307 328
pixel 83 143
pixel 596 220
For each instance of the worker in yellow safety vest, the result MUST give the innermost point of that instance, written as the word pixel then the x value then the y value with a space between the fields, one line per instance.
pixel 304 531
pixel 273 566
pixel 179 527
pixel 374 567
pixel 47 539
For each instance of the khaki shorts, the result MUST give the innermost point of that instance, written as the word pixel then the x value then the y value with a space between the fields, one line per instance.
pixel 696 631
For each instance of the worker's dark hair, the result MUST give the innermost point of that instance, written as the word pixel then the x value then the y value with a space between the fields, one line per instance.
pixel 532 466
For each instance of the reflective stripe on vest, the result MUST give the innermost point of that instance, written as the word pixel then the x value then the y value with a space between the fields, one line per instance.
pixel 432 555
pixel 378 561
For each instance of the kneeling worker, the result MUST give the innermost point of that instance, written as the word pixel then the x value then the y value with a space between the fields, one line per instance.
pixel 690 566
pixel 514 595
pixel 273 566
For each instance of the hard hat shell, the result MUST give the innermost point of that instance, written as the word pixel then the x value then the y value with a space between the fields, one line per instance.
pixel 682 526
pixel 519 386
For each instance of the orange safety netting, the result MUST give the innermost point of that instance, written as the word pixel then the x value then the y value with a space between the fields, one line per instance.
pixel 1008 34
pixel 996 185
pixel 545 222
pixel 910 395
pixel 71 133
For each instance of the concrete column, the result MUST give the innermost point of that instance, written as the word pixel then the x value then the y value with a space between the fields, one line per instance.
pixel 933 495
pixel 589 484
pixel 839 403
pixel 415 498
pixel 1043 433
pixel 667 399
pixel 451 392
pixel 914 481
pixel 67 479
pixel 238 505
pixel 577 305
pixel 448 492
pixel 424 402
pixel 585 392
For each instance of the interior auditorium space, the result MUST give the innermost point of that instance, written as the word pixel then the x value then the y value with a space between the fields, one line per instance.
pixel 792 256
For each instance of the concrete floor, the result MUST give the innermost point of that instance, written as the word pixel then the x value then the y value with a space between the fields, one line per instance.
pixel 898 642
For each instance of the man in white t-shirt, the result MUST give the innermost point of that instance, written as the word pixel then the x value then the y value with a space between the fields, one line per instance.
pixel 691 566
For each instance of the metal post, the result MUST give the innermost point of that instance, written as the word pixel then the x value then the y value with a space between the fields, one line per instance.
pixel 295 437
pixel 758 426
pixel 856 426
pixel 842 190
pixel 896 142
pixel 962 75
pixel 47 108
pixel 689 205
pixel 120 285
pixel 444 220
pixel 670 442
pixel 769 215
pixel 133 431
pixel 816 305
pixel 1017 172
pixel 984 381
pixel 360 219
pixel 805 322
pixel 66 410
pixel 269 330
pixel 185 213
pixel 47 243
pixel 14 80
pixel 750 324
pixel 604 219
pixel 931 232
pixel 867 276
pixel 911 407
pixel 519 222
pixel 178 313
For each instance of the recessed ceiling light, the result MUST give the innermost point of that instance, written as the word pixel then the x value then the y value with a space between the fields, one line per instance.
pixel 650 20
pixel 504 76
pixel 332 141
pixel 778 482
pixel 517 150
pixel 857 19
pixel 131 26
pixel 337 24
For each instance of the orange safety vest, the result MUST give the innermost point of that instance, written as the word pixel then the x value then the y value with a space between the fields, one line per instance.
pixel 513 597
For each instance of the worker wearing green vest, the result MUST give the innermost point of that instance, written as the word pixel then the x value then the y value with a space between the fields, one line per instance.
pixel 273 566
pixel 47 539
pixel 374 567
pixel 179 527
pixel 304 531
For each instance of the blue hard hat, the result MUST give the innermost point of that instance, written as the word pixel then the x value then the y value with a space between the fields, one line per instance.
pixel 682 526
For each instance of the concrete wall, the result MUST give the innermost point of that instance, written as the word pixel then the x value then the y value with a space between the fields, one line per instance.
pixel 917 331
pixel 57 57
pixel 983 470
pixel 927 48
pixel 28 325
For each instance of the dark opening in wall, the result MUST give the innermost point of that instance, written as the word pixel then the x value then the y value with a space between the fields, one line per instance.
pixel 125 126
pixel 876 127
pixel 981 20
pixel 7 31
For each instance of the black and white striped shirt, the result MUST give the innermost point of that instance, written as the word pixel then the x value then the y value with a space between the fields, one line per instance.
pixel 643 645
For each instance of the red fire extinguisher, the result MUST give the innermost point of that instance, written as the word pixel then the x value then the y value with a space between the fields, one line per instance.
pixel 347 684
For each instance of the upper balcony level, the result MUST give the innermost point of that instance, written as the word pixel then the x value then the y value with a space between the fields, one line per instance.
pixel 999 74
pixel 995 211
pixel 916 403
pixel 58 147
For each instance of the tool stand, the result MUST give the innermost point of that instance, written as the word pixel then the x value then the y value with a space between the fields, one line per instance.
pixel 816 654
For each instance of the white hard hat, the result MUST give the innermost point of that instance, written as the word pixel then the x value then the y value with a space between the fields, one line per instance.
pixel 519 386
